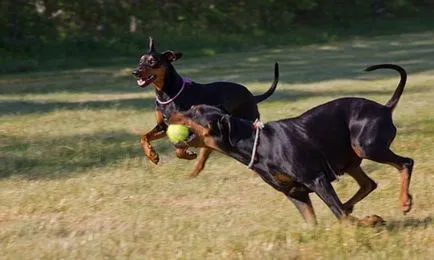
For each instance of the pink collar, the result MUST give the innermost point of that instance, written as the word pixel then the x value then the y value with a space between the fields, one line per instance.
pixel 184 82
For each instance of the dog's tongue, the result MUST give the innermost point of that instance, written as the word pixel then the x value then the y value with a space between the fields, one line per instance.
pixel 145 82
pixel 141 83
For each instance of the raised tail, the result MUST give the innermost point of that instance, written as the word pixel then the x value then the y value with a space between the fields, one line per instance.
pixel 393 101
pixel 270 91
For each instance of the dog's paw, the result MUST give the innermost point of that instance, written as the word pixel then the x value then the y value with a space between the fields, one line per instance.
pixel 185 154
pixel 406 204
pixel 348 209
pixel 151 154
pixel 192 175
pixel 155 158
pixel 190 155
pixel 373 220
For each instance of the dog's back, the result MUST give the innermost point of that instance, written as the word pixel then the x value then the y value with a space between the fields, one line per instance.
pixel 336 127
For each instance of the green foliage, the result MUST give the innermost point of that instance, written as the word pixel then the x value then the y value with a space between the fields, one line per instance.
pixel 69 33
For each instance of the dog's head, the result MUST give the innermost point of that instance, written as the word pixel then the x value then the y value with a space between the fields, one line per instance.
pixel 211 127
pixel 153 66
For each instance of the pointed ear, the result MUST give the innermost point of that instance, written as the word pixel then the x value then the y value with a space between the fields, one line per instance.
pixel 172 56
pixel 151 45
pixel 233 129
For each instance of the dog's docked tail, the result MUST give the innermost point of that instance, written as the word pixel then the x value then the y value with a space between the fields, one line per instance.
pixel 270 91
pixel 393 101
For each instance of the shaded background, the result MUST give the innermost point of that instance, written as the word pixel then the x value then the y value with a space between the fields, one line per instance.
pixel 48 34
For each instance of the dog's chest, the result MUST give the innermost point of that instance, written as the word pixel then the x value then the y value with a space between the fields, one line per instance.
pixel 166 110
pixel 283 182
pixel 279 179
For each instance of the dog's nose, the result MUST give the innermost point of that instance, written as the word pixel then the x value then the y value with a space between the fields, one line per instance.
pixel 136 72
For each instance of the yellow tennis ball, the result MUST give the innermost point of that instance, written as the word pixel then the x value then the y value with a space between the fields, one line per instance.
pixel 177 133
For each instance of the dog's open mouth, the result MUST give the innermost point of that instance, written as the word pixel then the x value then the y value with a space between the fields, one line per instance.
pixel 146 81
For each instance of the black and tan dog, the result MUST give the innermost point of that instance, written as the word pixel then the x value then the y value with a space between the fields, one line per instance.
pixel 305 154
pixel 175 93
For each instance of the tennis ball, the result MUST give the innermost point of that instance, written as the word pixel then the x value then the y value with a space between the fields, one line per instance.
pixel 177 133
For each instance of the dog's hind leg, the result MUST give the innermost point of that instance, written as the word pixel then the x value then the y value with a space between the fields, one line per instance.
pixel 373 141
pixel 303 203
pixel 325 191
pixel 366 184
pixel 404 166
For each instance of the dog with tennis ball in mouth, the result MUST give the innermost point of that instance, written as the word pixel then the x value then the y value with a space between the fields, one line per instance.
pixel 298 156
pixel 177 133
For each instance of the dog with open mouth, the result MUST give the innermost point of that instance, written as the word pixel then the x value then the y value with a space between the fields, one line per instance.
pixel 176 93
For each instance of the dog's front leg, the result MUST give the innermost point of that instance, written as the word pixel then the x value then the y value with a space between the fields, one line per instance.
pixel 303 203
pixel 200 164
pixel 183 153
pixel 157 132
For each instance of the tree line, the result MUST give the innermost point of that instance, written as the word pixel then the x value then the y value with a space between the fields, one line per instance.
pixel 46 20
pixel 34 30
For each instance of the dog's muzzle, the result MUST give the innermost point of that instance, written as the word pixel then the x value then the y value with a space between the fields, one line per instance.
pixel 136 72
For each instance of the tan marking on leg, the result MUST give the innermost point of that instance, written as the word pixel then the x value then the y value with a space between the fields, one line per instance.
pixel 183 153
pixel 308 214
pixel 284 178
pixel 405 197
pixel 304 205
pixel 357 151
pixel 149 151
pixel 200 163
pixel 154 134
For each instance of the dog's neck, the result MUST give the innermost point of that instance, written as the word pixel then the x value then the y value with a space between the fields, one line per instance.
pixel 172 84
pixel 242 150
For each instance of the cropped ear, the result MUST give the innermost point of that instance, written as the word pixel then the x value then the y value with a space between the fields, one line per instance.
pixel 172 56
pixel 151 45
pixel 233 129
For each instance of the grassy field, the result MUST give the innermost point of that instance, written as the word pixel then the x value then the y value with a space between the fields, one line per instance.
pixel 74 183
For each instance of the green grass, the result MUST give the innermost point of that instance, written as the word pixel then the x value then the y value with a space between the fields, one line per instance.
pixel 74 183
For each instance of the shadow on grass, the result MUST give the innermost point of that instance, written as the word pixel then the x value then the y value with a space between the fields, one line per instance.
pixel 59 157
pixel 91 80
pixel 29 107
pixel 346 60
pixel 409 223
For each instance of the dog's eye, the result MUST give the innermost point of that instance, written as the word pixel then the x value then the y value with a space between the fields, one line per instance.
pixel 152 61
pixel 142 60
